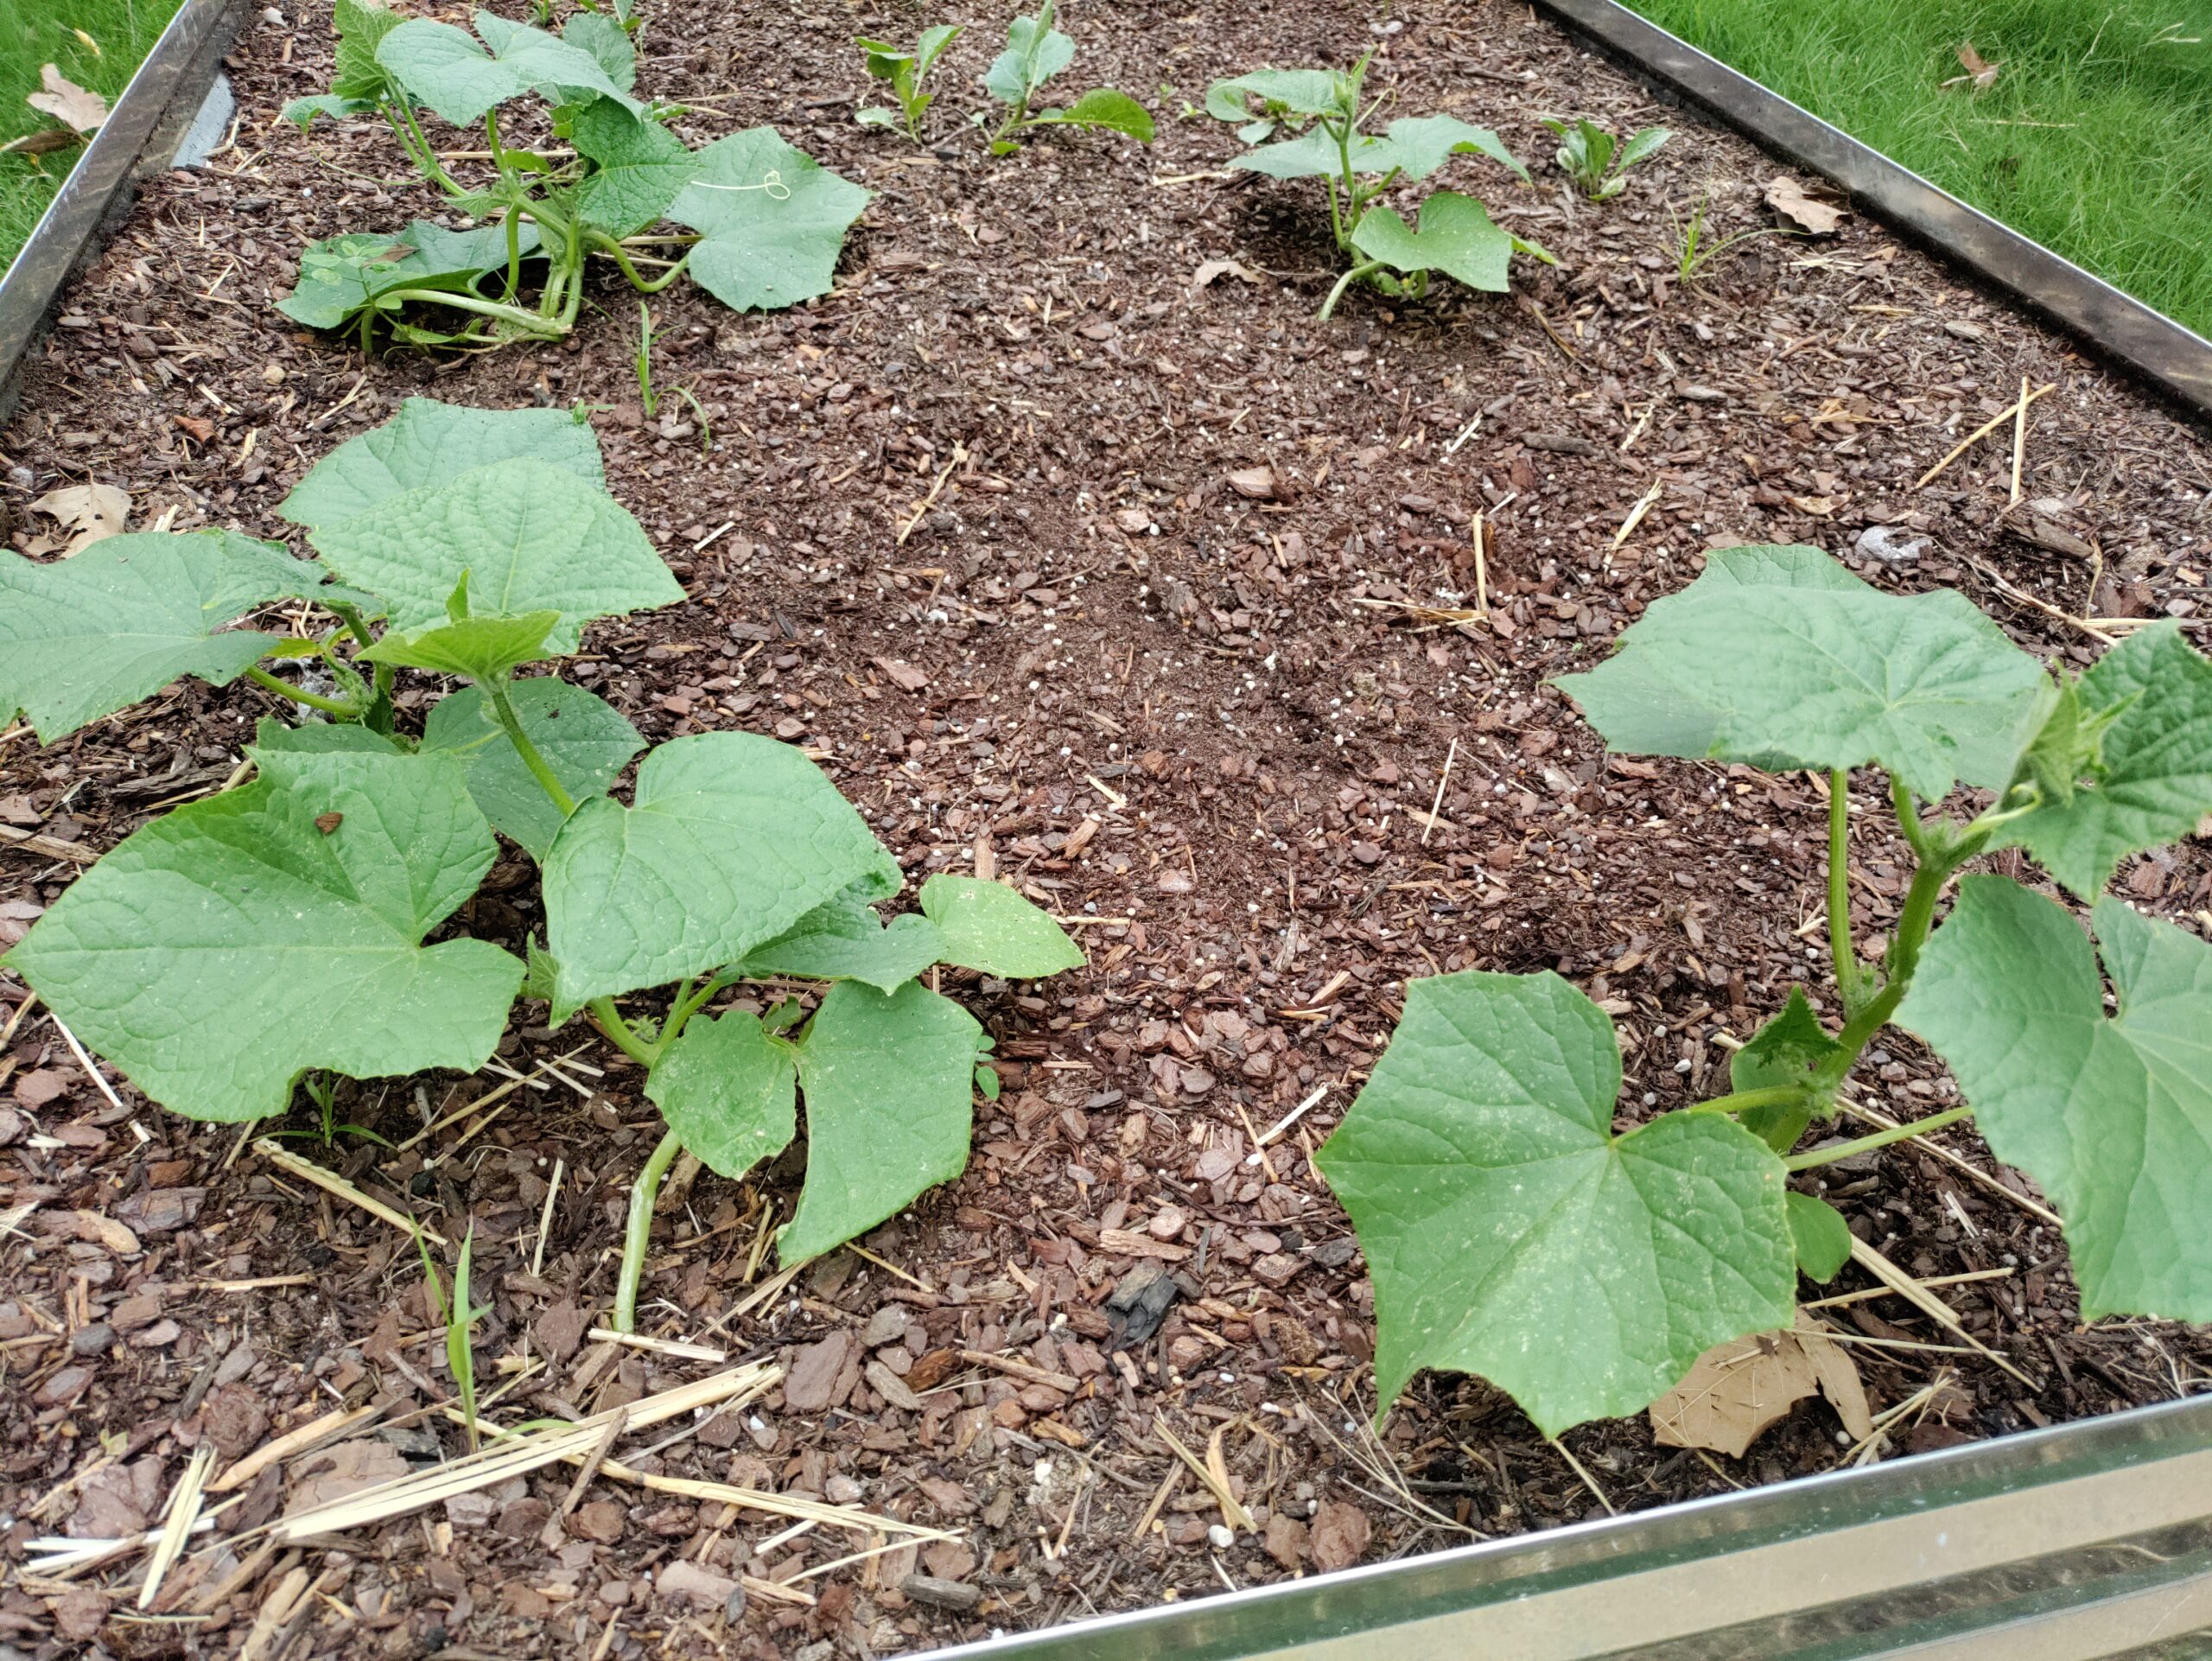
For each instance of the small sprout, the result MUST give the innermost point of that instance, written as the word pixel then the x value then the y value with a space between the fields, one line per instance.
pixel 1596 161
pixel 905 71
pixel 1035 51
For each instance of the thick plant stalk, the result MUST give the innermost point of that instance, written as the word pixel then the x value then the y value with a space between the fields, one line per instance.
pixel 644 1193
pixel 504 708
pixel 1819 1157
pixel 343 711
pixel 1850 979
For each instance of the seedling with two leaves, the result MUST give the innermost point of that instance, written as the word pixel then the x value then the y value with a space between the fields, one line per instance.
pixel 764 222
pixel 1323 111
pixel 276 930
pixel 905 71
pixel 1036 51
pixel 1512 1232
pixel 1597 162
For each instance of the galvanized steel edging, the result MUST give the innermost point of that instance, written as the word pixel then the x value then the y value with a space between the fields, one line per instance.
pixel 148 118
pixel 2121 328
pixel 2088 1540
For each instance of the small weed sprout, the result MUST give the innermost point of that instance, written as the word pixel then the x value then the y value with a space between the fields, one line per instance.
pixel 1596 161
pixel 1036 51
pixel 1692 254
pixel 905 71
pixel 459 1317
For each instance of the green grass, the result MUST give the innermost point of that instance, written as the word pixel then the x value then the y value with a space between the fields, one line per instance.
pixel 35 32
pixel 2095 139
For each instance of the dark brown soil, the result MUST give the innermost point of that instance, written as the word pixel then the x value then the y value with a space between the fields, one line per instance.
pixel 1000 459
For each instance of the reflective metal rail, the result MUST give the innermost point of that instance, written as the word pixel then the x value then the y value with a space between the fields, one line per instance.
pixel 2122 329
pixel 142 129
pixel 2085 1540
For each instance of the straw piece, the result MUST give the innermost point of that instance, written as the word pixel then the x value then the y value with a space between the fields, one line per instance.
pixel 1928 1304
pixel 307 1171
pixel 176 1529
pixel 1232 1509
pixel 1022 1369
pixel 2008 413
pixel 331 1426
pixel 658 1346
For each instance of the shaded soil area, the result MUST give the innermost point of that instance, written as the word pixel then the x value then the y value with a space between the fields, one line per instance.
pixel 1148 591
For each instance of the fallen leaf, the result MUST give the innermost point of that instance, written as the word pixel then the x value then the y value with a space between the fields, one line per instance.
pixel 1206 275
pixel 1738 1390
pixel 1978 69
pixel 198 427
pixel 1788 198
pixel 1819 506
pixel 93 511
pixel 67 102
pixel 346 1468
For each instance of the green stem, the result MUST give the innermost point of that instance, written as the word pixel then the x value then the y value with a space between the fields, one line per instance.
pixel 638 1233
pixel 613 250
pixel 1743 1101
pixel 504 708
pixel 1850 979
pixel 1907 812
pixel 1329 305
pixel 1818 1156
pixel 532 320
pixel 343 711
pixel 620 1034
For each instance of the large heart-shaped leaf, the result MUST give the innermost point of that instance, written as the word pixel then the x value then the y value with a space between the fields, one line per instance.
pixel 890 1084
pixel 528 535
pixel 345 276
pixel 846 940
pixel 225 948
pixel 1285 91
pixel 1103 106
pixel 583 739
pixel 357 83
pixel 2150 781
pixel 726 1088
pixel 609 44
pixel 1780 657
pixel 85 637
pixel 732 838
pixel 2113 1118
pixel 987 926
pixel 1456 237
pixel 1413 148
pixel 273 737
pixel 1510 1234
pixel 773 220
pixel 441 67
pixel 432 443
pixel 638 168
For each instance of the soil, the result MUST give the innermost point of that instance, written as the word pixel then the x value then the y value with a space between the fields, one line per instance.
pixel 1144 587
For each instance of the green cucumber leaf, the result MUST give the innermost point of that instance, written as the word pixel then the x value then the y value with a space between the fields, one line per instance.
pixel 1280 92
pixel 302 113
pixel 82 638
pixel 441 68
pixel 731 839
pixel 1783 1051
pixel 432 443
pixel 1103 107
pixel 272 737
pixel 2138 742
pixel 845 940
pixel 1510 1234
pixel 224 948
pixel 527 534
pixel 2112 1118
pixel 987 926
pixel 344 276
pixel 931 46
pixel 639 167
pixel 883 60
pixel 1822 1238
pixel 1456 238
pixel 889 1082
pixel 361 26
pixel 727 1088
pixel 480 648
pixel 1035 51
pixel 1779 657
pixel 1419 145
pixel 772 220
pixel 609 44
pixel 582 738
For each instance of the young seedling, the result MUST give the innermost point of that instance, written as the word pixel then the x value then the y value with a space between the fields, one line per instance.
pixel 905 71
pixel 459 1317
pixel 1692 254
pixel 1596 161
pixel 1035 51
pixel 1510 1231
pixel 1326 111
pixel 765 223
pixel 322 1090
pixel 227 949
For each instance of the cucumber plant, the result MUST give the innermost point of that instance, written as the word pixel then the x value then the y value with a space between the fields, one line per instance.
pixel 1322 111
pixel 1511 1232
pixel 905 71
pixel 1597 163
pixel 1036 51
pixel 276 932
pixel 765 222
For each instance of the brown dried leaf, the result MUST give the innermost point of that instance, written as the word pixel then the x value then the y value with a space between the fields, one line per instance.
pixel 347 1468
pixel 1738 1390
pixel 93 511
pixel 1978 69
pixel 1206 275
pixel 67 102
pixel 1788 198
pixel 1257 484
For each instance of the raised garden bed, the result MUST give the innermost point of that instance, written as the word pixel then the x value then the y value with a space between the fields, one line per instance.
pixel 1112 658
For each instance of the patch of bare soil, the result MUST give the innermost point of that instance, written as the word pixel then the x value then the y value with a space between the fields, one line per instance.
pixel 988 529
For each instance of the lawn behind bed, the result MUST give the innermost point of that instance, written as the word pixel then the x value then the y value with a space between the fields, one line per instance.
pixel 37 32
pixel 2091 138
